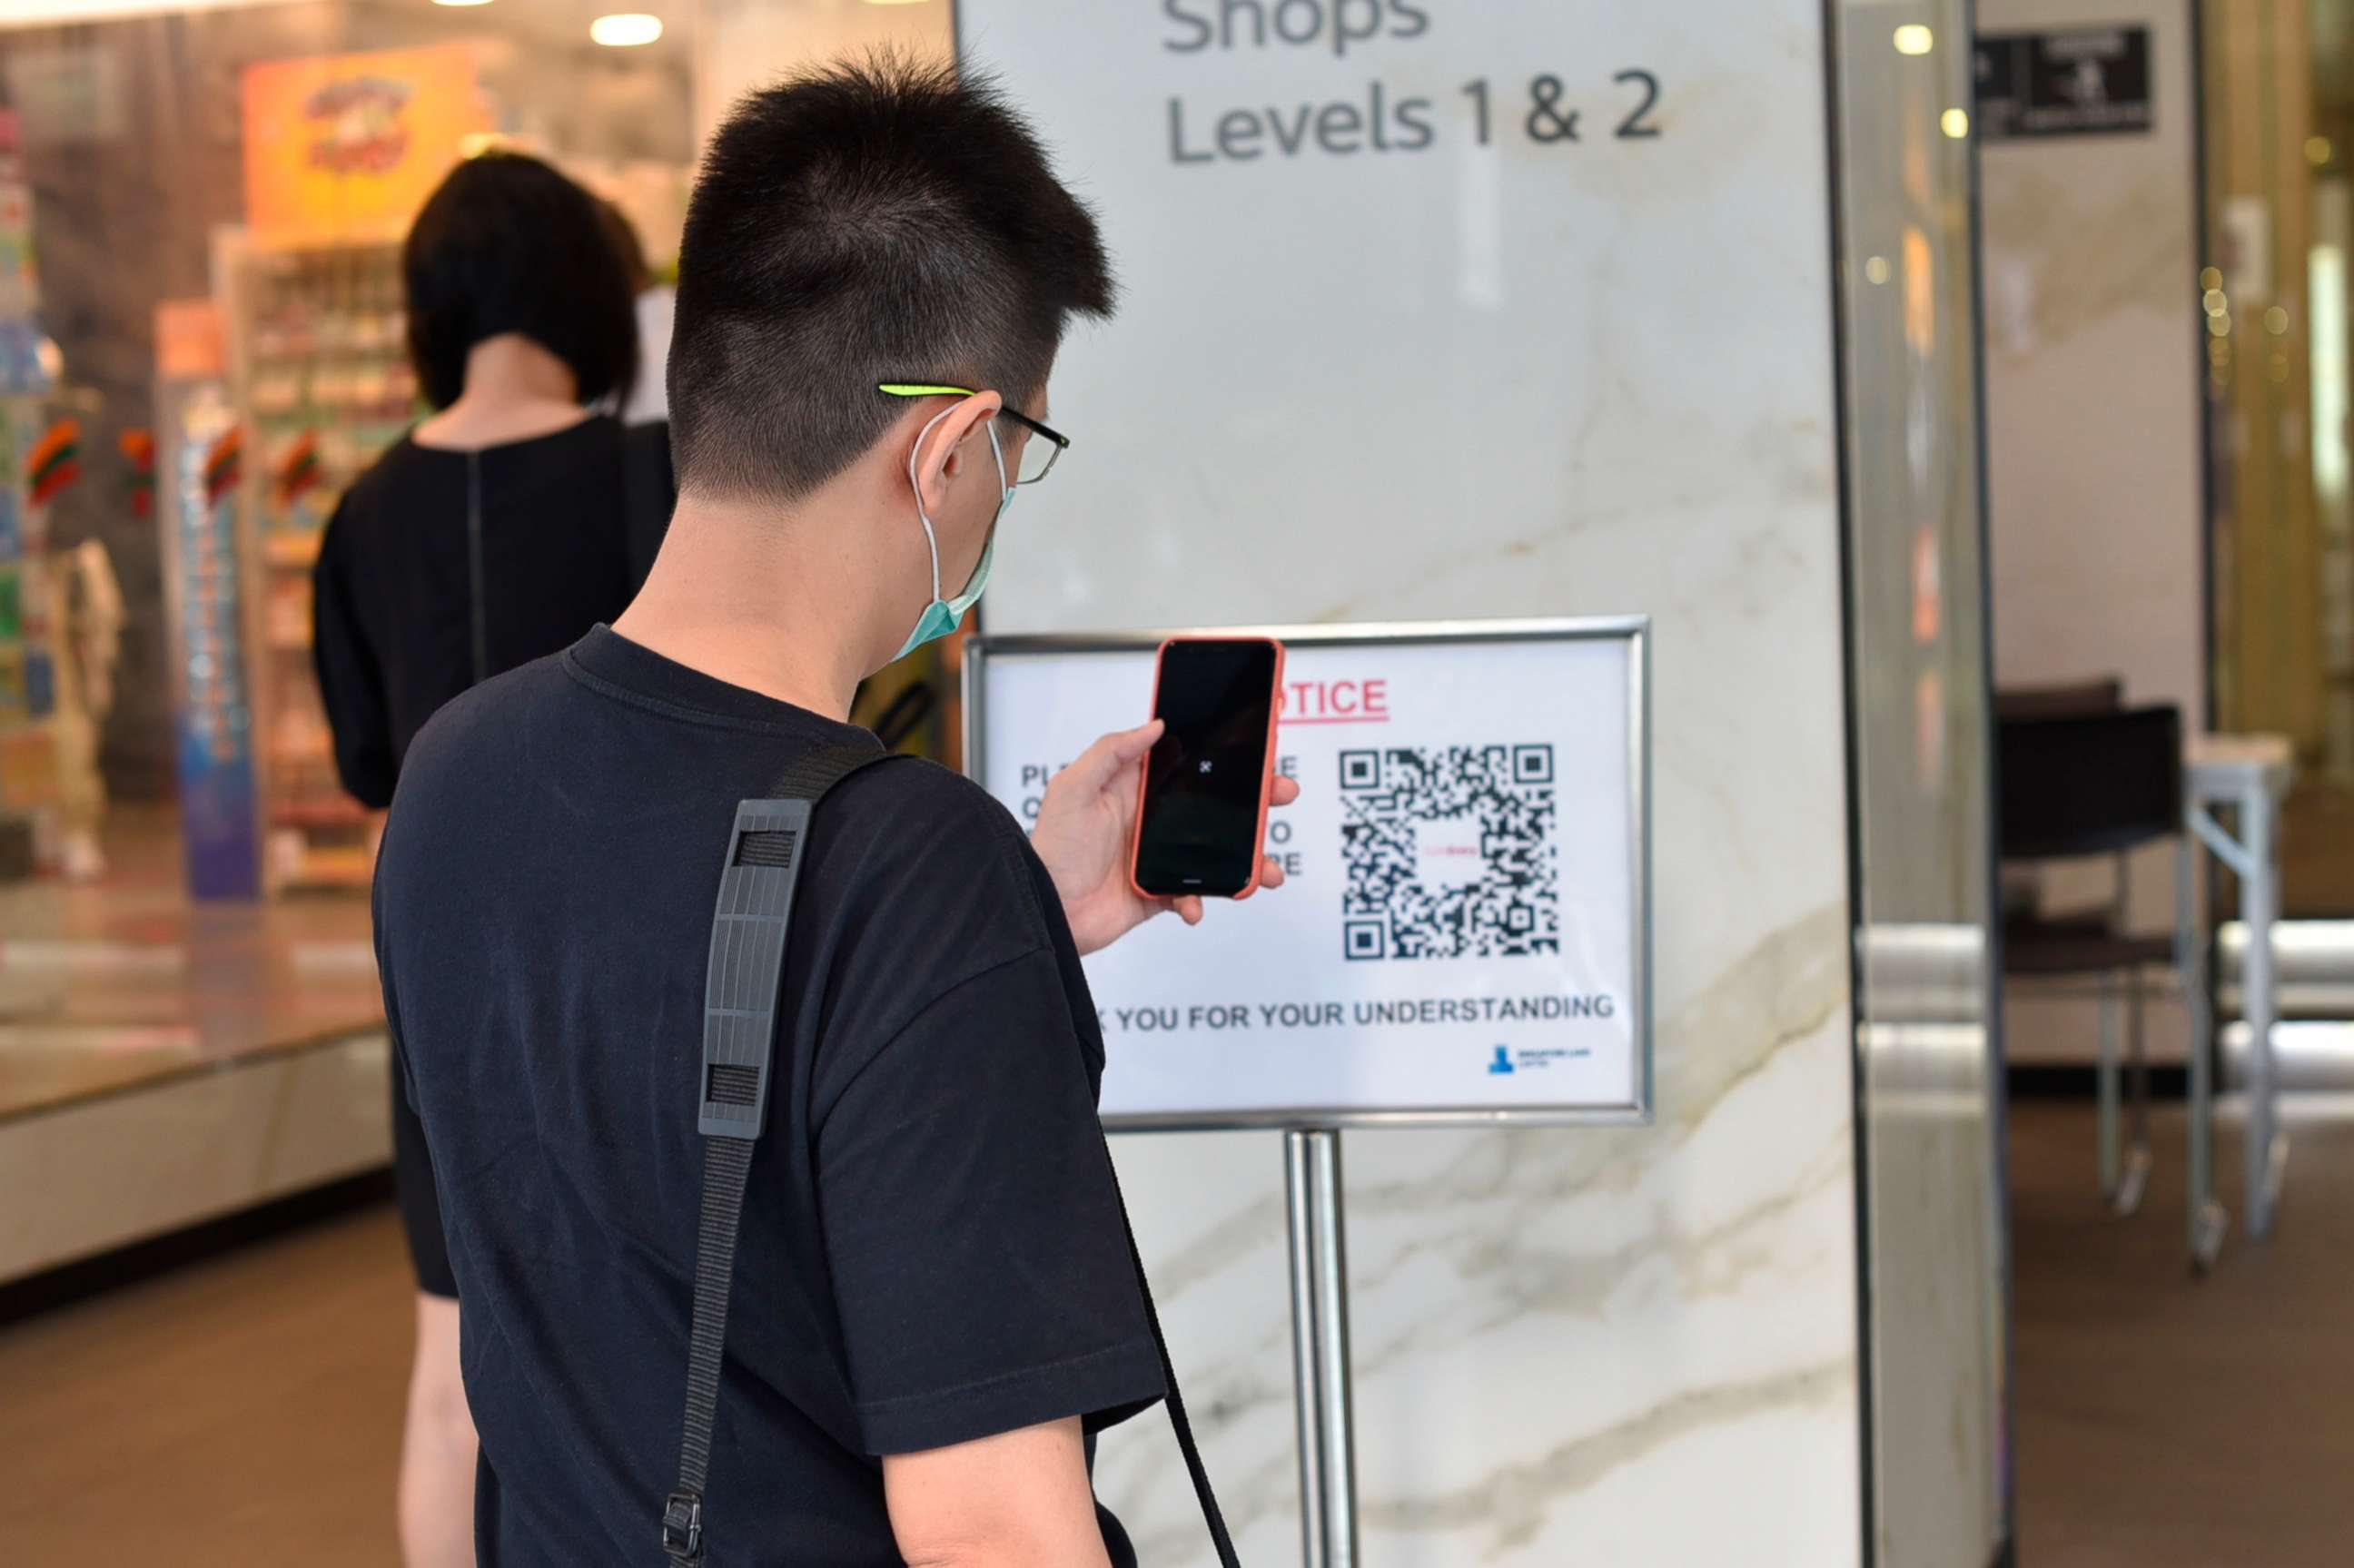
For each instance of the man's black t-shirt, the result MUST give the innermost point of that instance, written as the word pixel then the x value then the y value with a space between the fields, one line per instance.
pixel 932 1247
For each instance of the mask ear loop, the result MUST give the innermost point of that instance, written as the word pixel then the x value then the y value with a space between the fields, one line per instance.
pixel 1004 484
pixel 931 540
pixel 1004 491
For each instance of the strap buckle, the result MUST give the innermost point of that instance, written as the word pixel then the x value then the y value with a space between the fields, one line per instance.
pixel 683 1529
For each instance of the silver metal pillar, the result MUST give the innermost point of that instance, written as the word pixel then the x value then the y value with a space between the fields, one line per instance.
pixel 1319 1349
pixel 1296 1160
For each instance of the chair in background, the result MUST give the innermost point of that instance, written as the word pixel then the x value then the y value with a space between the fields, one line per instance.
pixel 2081 781
pixel 2069 699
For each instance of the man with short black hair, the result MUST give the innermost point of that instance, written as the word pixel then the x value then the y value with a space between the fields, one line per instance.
pixel 934 1304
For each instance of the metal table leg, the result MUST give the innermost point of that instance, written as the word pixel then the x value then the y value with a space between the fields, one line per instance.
pixel 2267 1151
pixel 2106 1081
pixel 2208 1218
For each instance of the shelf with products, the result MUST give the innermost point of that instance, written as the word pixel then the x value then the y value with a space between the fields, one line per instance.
pixel 317 352
pixel 290 552
pixel 38 457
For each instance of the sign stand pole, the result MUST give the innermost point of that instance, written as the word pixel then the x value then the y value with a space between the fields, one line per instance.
pixel 1319 1348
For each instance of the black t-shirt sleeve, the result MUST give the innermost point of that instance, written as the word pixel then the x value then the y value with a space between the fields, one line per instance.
pixel 404 1087
pixel 351 680
pixel 981 1262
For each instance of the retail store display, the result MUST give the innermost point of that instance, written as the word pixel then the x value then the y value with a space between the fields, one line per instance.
pixel 320 374
pixel 200 460
pixel 39 458
pixel 89 601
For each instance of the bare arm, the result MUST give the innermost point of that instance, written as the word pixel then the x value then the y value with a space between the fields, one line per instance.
pixel 1021 1499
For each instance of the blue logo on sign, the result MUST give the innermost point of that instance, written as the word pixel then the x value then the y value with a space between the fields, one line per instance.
pixel 1503 1062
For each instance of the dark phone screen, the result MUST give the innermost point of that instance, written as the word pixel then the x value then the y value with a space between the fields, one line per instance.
pixel 1202 782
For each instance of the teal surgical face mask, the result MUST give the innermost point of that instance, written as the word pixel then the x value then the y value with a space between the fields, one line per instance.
pixel 942 616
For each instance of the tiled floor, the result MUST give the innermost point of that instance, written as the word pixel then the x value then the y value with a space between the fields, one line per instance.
pixel 242 1413
pixel 245 1411
pixel 2166 1422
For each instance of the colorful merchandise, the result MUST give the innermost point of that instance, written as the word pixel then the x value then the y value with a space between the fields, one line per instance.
pixel 39 458
pixel 325 385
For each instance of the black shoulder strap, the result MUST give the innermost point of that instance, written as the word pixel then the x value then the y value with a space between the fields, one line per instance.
pixel 739 1024
pixel 1211 1514
pixel 740 997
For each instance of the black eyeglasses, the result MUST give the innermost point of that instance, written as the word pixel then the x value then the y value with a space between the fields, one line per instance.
pixel 1038 456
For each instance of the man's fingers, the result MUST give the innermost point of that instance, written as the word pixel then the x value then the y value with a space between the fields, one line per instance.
pixel 1096 766
pixel 1270 872
pixel 1189 909
pixel 1286 790
pixel 1129 746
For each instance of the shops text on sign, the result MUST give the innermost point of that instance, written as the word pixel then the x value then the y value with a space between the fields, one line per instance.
pixel 1547 108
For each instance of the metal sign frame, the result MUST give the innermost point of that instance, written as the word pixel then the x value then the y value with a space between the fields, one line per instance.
pixel 1633 631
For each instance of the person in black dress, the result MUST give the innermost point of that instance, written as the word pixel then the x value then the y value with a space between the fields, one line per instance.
pixel 497 531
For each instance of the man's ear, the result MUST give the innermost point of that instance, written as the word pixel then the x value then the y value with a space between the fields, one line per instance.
pixel 939 449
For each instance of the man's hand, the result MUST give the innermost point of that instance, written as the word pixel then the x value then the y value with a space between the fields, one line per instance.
pixel 1086 824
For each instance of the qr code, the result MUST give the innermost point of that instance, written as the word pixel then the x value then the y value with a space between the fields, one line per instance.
pixel 1449 852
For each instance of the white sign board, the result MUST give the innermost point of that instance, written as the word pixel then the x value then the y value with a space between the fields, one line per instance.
pixel 1427 307
pixel 1463 933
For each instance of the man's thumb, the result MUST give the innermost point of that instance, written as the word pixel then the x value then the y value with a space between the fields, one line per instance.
pixel 1100 763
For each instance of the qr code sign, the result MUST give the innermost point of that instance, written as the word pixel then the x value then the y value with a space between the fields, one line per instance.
pixel 1449 852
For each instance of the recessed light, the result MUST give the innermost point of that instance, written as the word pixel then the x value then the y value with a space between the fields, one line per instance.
pixel 626 29
pixel 1913 38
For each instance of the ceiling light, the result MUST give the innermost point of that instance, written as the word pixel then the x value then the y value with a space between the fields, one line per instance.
pixel 1913 38
pixel 1954 122
pixel 626 29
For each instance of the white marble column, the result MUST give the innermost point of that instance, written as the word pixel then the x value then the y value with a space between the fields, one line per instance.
pixel 1505 379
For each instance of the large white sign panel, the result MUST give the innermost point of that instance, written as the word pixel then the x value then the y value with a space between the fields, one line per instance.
pixel 1442 306
pixel 1463 930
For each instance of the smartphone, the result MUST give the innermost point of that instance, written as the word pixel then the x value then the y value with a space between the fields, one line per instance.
pixel 1201 815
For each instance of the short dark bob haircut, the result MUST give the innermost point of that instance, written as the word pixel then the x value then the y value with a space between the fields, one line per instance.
pixel 507 244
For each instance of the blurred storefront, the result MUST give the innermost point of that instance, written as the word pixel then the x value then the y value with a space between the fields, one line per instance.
pixel 2279 145
pixel 201 346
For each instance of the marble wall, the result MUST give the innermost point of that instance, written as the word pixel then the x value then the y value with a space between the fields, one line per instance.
pixel 1524 385
pixel 2092 381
